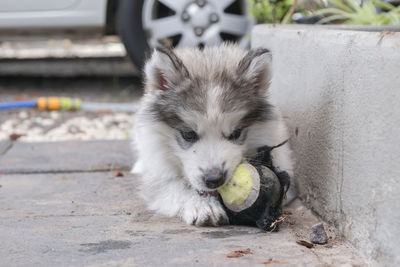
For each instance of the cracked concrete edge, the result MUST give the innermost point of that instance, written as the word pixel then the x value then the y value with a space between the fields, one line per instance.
pixel 67 157
pixel 5 146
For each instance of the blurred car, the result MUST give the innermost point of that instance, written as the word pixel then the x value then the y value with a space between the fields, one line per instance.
pixel 141 24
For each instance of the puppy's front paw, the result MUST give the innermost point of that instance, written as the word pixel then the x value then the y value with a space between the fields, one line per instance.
pixel 204 212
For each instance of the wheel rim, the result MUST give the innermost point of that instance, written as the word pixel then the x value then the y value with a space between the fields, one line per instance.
pixel 196 22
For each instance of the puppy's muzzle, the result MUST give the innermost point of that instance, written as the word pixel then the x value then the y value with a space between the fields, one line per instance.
pixel 214 177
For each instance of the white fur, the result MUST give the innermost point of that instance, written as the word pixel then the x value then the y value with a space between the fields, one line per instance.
pixel 170 177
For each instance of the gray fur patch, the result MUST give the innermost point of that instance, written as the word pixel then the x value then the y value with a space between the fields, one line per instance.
pixel 241 94
pixel 176 62
pixel 190 94
pixel 249 57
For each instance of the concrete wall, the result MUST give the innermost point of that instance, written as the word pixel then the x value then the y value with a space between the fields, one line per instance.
pixel 341 91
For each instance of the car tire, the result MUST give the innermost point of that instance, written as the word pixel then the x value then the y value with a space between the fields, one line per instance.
pixel 136 20
pixel 130 30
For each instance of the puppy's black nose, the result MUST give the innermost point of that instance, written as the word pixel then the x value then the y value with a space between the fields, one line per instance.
pixel 214 177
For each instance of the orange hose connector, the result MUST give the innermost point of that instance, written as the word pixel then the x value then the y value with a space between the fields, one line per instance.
pixel 58 103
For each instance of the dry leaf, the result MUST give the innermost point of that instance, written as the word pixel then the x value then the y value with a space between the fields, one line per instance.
pixel 239 253
pixel 234 254
pixel 272 261
pixel 15 136
pixel 305 243
pixel 118 174
pixel 244 251
pixel 279 220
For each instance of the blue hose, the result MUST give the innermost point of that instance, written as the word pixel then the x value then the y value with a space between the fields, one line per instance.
pixel 19 104
pixel 69 104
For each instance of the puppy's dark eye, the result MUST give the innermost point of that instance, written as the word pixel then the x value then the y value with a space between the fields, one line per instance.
pixel 235 135
pixel 190 136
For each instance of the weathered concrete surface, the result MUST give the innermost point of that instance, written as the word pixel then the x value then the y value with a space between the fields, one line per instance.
pixel 96 219
pixel 4 147
pixel 340 92
pixel 67 157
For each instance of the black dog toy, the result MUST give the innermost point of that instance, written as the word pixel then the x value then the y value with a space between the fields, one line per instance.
pixel 254 194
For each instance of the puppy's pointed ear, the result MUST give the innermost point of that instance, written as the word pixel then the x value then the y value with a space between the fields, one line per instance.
pixel 255 68
pixel 164 70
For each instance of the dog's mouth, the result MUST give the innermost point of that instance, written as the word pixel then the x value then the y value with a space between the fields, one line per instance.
pixel 204 193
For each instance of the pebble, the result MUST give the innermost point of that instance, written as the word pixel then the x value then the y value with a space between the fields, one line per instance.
pixel 55 115
pixel 318 234
pixel 47 122
pixel 23 114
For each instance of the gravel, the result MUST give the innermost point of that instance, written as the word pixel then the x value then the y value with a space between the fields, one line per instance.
pixel 35 126
pixel 318 234
pixel 43 126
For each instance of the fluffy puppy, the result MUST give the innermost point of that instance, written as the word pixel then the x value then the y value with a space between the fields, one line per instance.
pixel 203 111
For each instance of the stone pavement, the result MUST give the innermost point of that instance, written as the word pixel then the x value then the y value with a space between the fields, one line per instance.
pixel 62 204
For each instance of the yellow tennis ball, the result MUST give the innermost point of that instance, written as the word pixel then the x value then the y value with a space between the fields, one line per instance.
pixel 242 189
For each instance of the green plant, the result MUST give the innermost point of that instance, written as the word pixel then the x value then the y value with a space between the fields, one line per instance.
pixel 349 12
pixel 272 11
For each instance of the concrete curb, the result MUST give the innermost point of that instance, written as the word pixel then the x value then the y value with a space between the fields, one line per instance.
pixel 340 92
